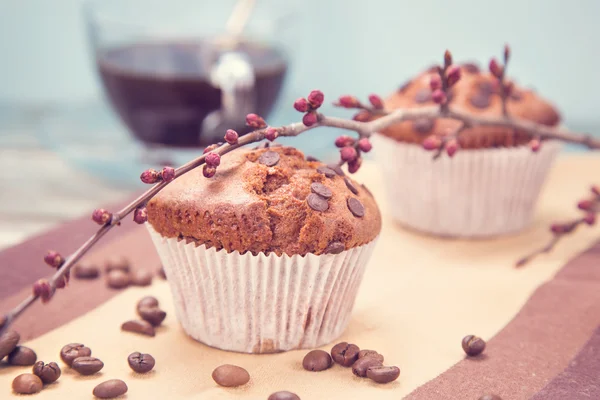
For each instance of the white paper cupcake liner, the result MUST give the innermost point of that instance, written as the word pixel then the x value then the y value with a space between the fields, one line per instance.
pixel 476 193
pixel 263 303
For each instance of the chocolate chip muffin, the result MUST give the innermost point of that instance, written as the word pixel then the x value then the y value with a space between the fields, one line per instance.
pixel 275 242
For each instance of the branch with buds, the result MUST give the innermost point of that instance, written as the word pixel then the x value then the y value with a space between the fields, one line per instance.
pixel 351 150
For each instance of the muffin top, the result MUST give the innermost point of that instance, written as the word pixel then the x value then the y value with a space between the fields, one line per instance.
pixel 476 92
pixel 268 200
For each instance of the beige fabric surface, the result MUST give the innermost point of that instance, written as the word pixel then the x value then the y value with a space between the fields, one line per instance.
pixel 419 297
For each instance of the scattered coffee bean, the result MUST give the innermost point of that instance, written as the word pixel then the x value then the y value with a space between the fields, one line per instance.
pixel 383 374
pixel 317 360
pixel 328 172
pixel 423 125
pixel 321 190
pixel 137 326
pixel 110 389
pixel 269 158
pixel 423 95
pixel 490 397
pixel 86 271
pixel 141 363
pixel 480 100
pixel 8 341
pixel 72 351
pixel 154 315
pixel 356 207
pixel 334 248
pixel 22 355
pixel 148 301
pixel 161 273
pixel 360 367
pixel 473 345
pixel 345 353
pixel 471 68
pixel 120 263
pixel 350 186
pixel 283 395
pixel 338 170
pixel 48 373
pixel 317 203
pixel 370 353
pixel 141 277
pixel 27 384
pixel 87 365
pixel 311 158
pixel 230 375
pixel 117 279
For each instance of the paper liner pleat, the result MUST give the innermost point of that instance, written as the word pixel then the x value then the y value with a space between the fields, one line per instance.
pixel 476 193
pixel 261 303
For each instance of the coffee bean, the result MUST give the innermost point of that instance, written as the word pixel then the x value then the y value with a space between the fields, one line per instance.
pixel 148 301
pixel 312 159
pixel 383 374
pixel 473 345
pixel 136 326
pixel 471 68
pixel 490 397
pixel 230 375
pixel 423 95
pixel 141 363
pixel 48 373
pixel 87 365
pixel 480 100
pixel 338 170
pixel 110 389
pixel 141 277
pixel 283 395
pixel 423 125
pixel 154 315
pixel 22 355
pixel 161 273
pixel 269 158
pixel 321 190
pixel 8 342
pixel 360 367
pixel 334 248
pixel 317 203
pixel 27 384
pixel 328 172
pixel 117 279
pixel 356 207
pixel 350 186
pixel 120 263
pixel 345 353
pixel 86 271
pixel 317 360
pixel 370 353
pixel 72 351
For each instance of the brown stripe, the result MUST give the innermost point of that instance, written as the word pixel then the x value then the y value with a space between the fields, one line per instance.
pixel 536 345
pixel 581 379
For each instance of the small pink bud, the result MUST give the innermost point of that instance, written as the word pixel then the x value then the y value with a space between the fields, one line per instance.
pixel 231 136
pixel 362 116
pixel 301 105
pixel 212 159
pixel 354 166
pixel 595 190
pixel 376 102
pixel 168 174
pixel 453 75
pixel 101 216
pixel 364 145
pixel 451 147
pixel 534 145
pixel 62 282
pixel 590 218
pixel 348 102
pixel 447 58
pixel 315 98
pixel 438 96
pixel 343 141
pixel 150 176
pixel 53 259
pixel 310 118
pixel 435 82
pixel 506 53
pixel 585 205
pixel 43 290
pixel 255 121
pixel 348 154
pixel 557 228
pixel 210 148
pixel 271 134
pixel 431 143
pixel 140 215
pixel 495 68
pixel 209 171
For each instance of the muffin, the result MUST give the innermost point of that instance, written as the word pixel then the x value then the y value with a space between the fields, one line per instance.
pixel 268 254
pixel 490 187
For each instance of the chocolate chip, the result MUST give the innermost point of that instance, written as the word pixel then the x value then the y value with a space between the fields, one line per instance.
pixel 27 384
pixel 283 395
pixel 317 360
pixel 381 374
pixel 473 345
pixel 8 342
pixel 480 100
pixel 345 353
pixel 471 68
pixel 48 373
pixel 423 125
pixel 311 158
pixel 72 351
pixel 141 277
pixel 486 87
pixel 317 203
pixel 117 279
pixel 148 301
pixel 370 353
pixel 263 145
pixel 402 88
pixel 86 271
pixel 161 273
pixel 350 186
pixel 328 172
pixel 334 248
pixel 338 170
pixel 22 355
pixel 230 375
pixel 356 207
pixel 120 263
pixel 269 158
pixel 110 389
pixel 141 363
pixel 423 95
pixel 360 367
pixel 87 365
pixel 321 190
pixel 154 315
pixel 136 326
